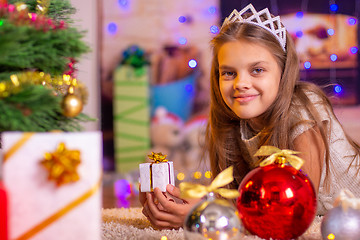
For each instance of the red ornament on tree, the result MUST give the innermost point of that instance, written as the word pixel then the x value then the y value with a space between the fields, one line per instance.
pixel 276 200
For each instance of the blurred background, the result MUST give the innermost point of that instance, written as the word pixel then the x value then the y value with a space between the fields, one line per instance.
pixel 148 76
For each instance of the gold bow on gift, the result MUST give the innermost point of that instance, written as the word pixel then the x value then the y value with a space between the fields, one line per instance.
pixel 191 190
pixel 281 156
pixel 157 157
pixel 346 199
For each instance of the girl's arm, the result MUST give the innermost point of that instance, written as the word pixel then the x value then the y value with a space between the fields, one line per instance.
pixel 312 149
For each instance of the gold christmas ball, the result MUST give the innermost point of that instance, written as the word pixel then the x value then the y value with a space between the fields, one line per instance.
pixel 71 105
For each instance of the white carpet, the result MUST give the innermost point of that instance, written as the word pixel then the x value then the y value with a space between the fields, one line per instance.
pixel 129 223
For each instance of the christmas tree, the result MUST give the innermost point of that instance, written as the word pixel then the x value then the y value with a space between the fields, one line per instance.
pixel 39 46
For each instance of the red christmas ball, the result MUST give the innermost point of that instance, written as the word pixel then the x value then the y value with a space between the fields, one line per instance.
pixel 276 201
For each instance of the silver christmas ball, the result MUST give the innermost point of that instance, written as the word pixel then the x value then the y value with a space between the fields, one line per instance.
pixel 214 219
pixel 340 224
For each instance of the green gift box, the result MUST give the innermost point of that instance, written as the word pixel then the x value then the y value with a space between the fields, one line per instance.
pixel 131 116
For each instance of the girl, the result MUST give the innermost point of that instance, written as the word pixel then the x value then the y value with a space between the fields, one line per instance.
pixel 257 99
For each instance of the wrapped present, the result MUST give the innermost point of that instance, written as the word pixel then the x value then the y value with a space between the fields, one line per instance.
pixel 156 174
pixel 131 116
pixel 54 184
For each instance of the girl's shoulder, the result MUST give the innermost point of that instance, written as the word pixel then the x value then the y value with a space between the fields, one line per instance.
pixel 308 109
pixel 310 98
pixel 311 106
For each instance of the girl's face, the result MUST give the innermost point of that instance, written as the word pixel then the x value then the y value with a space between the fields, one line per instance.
pixel 249 78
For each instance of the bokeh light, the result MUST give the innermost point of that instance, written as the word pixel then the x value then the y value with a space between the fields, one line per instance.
pixel 331 236
pixel 300 14
pixel 299 34
pixel 192 63
pixel 333 57
pixel 352 21
pixel 212 9
pixel 334 7
pixel 197 175
pixel 123 3
pixel 307 65
pixel 337 88
pixel 182 19
pixel 182 40
pixel 112 28
pixel 180 176
pixel 214 29
pixel 354 50
pixel 331 31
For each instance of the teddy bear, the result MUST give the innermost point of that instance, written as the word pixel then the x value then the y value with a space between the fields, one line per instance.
pixel 166 134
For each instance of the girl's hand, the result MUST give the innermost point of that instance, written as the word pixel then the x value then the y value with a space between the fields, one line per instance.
pixel 142 196
pixel 164 212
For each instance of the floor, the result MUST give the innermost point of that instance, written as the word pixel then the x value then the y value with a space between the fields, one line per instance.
pixel 349 116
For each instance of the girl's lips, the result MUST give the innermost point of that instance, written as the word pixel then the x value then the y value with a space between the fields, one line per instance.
pixel 245 98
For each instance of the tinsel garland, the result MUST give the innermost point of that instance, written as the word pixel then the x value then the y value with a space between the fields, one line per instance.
pixel 59 84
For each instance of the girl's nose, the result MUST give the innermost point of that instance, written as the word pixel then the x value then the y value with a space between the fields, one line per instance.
pixel 242 82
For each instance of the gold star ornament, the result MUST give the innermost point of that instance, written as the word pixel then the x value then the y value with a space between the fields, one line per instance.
pixel 62 165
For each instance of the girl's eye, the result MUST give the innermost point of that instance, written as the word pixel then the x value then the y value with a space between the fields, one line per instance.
pixel 257 70
pixel 228 74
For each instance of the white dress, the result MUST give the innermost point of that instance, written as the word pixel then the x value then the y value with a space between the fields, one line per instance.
pixel 341 154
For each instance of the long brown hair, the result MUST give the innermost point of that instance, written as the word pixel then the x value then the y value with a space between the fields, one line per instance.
pixel 224 143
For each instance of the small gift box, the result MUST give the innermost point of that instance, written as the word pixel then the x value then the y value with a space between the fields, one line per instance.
pixel 54 184
pixel 157 174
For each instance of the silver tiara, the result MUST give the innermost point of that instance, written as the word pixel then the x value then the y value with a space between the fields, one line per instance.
pixel 272 24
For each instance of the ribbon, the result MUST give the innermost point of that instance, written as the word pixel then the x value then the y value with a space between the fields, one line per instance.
pixel 191 190
pixel 26 136
pixel 279 156
pixel 63 211
pixel 347 200
pixel 158 157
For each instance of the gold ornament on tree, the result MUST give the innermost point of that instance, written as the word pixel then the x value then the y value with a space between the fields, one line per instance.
pixel 72 105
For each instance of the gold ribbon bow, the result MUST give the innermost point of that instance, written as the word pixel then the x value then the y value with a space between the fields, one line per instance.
pixel 276 154
pixel 157 157
pixel 192 190
pixel 346 199
pixel 62 165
